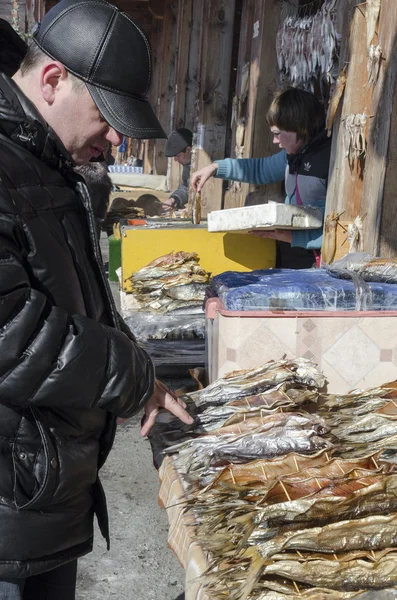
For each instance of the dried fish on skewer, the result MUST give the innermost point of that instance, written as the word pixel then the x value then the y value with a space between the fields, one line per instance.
pixel 350 576
pixel 354 235
pixel 372 10
pixel 354 137
pixel 373 64
pixel 371 533
pixel 196 209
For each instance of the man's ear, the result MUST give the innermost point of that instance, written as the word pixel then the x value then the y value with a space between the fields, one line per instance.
pixel 52 75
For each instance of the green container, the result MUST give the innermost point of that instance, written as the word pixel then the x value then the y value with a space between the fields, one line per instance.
pixel 114 257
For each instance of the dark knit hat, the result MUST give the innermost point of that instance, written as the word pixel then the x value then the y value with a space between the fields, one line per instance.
pixel 177 141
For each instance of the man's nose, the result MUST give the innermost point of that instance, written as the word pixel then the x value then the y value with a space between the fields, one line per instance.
pixel 114 137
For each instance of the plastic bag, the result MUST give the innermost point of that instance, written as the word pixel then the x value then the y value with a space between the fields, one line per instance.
pixel 369 268
pixel 301 290
pixel 151 326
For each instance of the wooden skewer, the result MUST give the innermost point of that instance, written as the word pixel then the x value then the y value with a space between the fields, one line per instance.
pixel 296 464
pixel 231 473
pixel 296 587
pixel 264 472
pixel 285 491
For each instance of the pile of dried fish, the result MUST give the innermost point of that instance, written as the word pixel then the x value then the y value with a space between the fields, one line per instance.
pixel 362 423
pixel 315 515
pixel 171 282
pixel 307 47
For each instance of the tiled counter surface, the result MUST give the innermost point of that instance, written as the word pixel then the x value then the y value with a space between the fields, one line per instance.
pixel 352 349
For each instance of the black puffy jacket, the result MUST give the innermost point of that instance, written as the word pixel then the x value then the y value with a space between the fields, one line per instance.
pixel 66 370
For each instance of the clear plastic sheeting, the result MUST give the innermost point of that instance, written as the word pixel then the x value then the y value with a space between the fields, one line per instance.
pixel 369 268
pixel 151 326
pixel 389 594
pixel 301 290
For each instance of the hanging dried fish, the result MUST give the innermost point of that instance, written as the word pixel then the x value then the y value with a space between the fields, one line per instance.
pixel 334 102
pixel 372 10
pixel 373 64
pixel 354 137
pixel 307 47
pixel 355 235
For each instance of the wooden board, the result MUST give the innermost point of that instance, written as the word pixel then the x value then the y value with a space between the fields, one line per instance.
pixel 262 29
pixel 212 98
pixel 379 196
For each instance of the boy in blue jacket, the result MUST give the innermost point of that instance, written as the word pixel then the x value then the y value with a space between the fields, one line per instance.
pixel 297 122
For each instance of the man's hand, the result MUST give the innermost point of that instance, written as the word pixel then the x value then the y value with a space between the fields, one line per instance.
pixel 200 177
pixel 282 235
pixel 163 398
pixel 169 204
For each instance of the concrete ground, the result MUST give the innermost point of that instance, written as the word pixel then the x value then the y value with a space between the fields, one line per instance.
pixel 139 565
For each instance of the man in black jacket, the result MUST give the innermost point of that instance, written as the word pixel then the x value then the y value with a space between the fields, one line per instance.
pixel 69 367
pixel 179 146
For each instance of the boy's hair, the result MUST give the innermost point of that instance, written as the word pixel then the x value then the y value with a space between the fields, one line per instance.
pixel 35 56
pixel 298 111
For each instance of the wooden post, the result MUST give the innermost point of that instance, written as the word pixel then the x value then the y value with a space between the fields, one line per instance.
pixel 368 192
pixel 184 32
pixel 235 195
pixel 156 37
pixel 345 186
pixel 215 60
pixel 379 197
pixel 166 82
pixel 259 44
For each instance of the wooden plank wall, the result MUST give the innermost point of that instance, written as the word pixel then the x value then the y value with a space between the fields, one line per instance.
pixel 211 103
pixel 166 66
pixel 367 189
pixel 260 22
pixel 184 36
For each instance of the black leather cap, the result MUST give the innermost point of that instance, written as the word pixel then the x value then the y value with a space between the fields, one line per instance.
pixel 106 49
pixel 177 141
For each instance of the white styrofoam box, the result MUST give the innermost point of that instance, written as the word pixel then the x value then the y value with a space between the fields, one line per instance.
pixel 265 216
pixel 141 180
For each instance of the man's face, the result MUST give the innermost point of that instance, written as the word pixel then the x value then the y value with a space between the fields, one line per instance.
pixel 183 158
pixel 286 140
pixel 80 126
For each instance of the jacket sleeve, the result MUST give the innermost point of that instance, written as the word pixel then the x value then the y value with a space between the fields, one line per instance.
pixel 51 358
pixel 181 196
pixel 311 239
pixel 258 171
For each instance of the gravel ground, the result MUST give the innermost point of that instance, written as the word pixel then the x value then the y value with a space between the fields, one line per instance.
pixel 139 565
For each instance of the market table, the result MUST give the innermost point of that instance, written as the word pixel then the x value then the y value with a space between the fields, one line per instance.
pixel 180 541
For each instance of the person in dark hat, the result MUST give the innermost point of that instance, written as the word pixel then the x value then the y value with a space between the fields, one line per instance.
pixel 69 366
pixel 179 146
